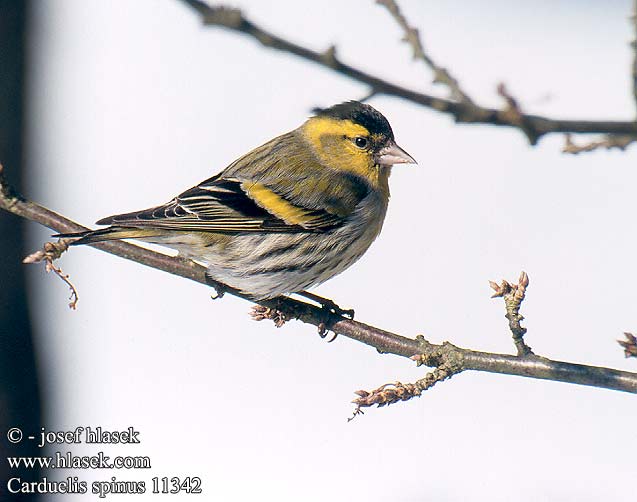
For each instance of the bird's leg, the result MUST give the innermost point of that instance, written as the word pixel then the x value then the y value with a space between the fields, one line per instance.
pixel 219 288
pixel 328 305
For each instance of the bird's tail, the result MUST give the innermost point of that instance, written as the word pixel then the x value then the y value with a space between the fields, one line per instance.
pixel 107 234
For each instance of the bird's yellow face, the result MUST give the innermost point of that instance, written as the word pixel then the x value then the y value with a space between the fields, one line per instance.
pixel 341 144
pixel 347 146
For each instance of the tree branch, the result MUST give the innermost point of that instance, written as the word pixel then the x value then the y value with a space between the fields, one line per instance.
pixel 534 126
pixel 447 356
pixel 412 37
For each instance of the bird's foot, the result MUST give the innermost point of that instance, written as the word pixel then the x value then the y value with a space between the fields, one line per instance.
pixel 330 309
pixel 328 305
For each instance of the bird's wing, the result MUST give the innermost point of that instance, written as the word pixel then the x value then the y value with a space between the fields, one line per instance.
pixel 229 205
pixel 277 187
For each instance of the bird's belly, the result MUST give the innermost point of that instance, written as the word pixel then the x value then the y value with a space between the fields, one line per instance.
pixel 266 265
pixel 272 265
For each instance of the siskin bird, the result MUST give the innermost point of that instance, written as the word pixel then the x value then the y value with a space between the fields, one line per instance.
pixel 286 216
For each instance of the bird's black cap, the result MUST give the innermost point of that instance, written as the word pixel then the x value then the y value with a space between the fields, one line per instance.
pixel 359 113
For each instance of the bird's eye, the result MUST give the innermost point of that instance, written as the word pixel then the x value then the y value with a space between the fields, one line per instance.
pixel 360 142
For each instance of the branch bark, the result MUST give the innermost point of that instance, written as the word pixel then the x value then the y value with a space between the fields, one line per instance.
pixel 533 126
pixel 445 355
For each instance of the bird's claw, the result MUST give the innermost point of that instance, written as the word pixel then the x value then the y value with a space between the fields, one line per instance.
pixel 329 310
pixel 323 331
pixel 333 308
pixel 219 288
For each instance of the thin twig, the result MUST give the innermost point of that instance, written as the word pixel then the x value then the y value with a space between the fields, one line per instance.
pixel 516 116
pixel 629 345
pixel 608 142
pixel 383 341
pixel 384 395
pixel 412 37
pixel 446 361
pixel 234 20
pixel 513 295
pixel 50 252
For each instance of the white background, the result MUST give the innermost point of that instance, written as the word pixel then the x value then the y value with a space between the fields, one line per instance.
pixel 133 102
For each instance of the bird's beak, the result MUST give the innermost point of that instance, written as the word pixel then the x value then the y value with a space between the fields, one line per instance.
pixel 393 154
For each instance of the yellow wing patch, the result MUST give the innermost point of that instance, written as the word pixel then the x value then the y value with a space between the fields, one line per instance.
pixel 277 205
